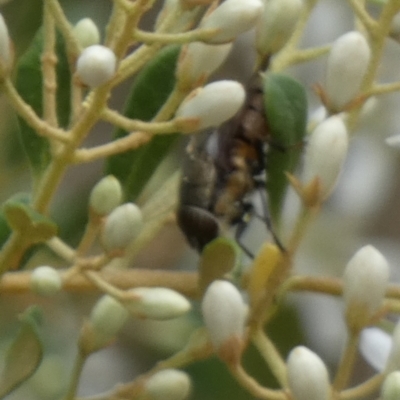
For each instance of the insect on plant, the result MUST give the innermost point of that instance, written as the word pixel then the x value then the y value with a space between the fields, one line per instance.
pixel 222 170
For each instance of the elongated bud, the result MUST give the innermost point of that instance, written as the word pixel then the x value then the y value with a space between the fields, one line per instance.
pixel 122 226
pixel 276 24
pixel 213 104
pixel 307 375
pixel 391 387
pixel 170 384
pixel 96 65
pixel 199 60
pixel 364 283
pixel 5 45
pixel 347 64
pixel 106 319
pixel 325 154
pixel 232 18
pixel 106 195
pixel 393 362
pixel 375 346
pixel 155 303
pixel 224 313
pixel 45 281
pixel 86 32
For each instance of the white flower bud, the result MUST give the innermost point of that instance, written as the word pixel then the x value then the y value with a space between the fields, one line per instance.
pixel 347 64
pixel 307 375
pixel 122 226
pixel 5 45
pixel 106 195
pixel 86 32
pixel 391 387
pixel 364 283
pixel 45 281
pixel 199 60
pixel 325 154
pixel 393 362
pixel 213 104
pixel 232 18
pixel 96 65
pixel 375 346
pixel 277 24
pixel 170 384
pixel 107 318
pixel 224 314
pixel 156 303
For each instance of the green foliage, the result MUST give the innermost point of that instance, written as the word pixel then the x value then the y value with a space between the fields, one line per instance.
pixel 21 218
pixel 24 355
pixel 152 87
pixel 285 105
pixel 29 85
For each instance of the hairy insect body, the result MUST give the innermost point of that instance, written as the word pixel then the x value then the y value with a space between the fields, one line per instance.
pixel 221 172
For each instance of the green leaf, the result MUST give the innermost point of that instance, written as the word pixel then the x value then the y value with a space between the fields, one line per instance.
pixel 149 92
pixel 285 105
pixel 29 85
pixel 218 258
pixel 20 217
pixel 25 354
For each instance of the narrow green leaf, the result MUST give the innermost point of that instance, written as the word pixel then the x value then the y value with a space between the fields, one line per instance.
pixel 285 105
pixel 25 354
pixel 29 85
pixel 218 258
pixel 149 92
pixel 20 217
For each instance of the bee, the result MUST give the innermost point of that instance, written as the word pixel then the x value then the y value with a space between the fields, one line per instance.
pixel 222 170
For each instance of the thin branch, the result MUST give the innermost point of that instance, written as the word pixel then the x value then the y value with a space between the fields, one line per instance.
pixel 369 23
pixel 26 112
pixel 201 35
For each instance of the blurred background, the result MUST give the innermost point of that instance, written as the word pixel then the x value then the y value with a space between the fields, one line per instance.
pixel 363 210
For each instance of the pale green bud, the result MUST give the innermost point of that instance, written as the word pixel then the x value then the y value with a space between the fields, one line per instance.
pixel 224 314
pixel 276 24
pixel 155 303
pixel 307 375
pixel 326 153
pixel 391 387
pixel 170 384
pixel 86 32
pixel 45 281
pixel 122 226
pixel 106 195
pixel 107 318
pixel 232 18
pixel 347 64
pixel 364 284
pixel 96 65
pixel 213 104
pixel 199 60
